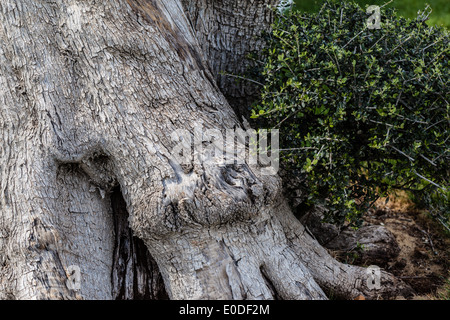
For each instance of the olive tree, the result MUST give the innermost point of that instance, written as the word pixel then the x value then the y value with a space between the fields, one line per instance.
pixel 91 93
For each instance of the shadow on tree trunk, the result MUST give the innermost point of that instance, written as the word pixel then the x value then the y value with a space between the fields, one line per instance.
pixel 135 274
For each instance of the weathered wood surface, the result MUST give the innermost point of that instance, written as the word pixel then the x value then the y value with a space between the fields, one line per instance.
pixel 90 92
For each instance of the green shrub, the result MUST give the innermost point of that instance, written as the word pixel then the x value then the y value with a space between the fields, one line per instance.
pixel 406 8
pixel 360 111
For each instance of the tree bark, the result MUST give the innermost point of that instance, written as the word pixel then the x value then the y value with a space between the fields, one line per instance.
pixel 227 32
pixel 91 93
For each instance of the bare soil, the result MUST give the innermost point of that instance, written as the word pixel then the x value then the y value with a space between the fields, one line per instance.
pixel 424 258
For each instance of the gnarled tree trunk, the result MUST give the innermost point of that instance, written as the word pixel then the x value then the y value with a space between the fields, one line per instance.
pixel 227 32
pixel 90 93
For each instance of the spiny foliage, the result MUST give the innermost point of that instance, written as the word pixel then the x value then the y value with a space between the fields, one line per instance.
pixel 360 111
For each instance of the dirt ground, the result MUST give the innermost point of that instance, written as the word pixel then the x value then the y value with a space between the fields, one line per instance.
pixel 424 258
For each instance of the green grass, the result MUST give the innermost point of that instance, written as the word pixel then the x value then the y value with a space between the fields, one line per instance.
pixel 405 8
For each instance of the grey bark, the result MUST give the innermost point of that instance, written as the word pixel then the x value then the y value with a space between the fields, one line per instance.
pixel 227 32
pixel 90 92
pixel 372 244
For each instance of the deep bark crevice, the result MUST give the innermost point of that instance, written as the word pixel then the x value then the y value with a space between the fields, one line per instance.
pixel 135 274
pixel 270 284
